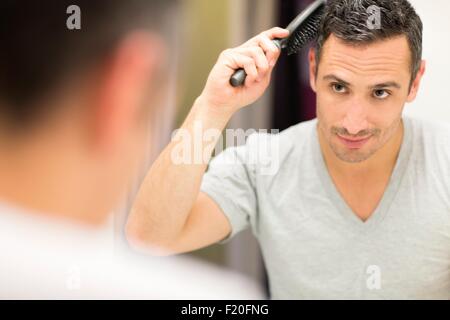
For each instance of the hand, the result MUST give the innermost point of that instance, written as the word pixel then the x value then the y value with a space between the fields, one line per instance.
pixel 257 57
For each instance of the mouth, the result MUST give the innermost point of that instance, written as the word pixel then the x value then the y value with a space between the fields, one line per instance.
pixel 354 143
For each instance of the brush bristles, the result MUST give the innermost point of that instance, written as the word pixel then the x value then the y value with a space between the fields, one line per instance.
pixel 307 32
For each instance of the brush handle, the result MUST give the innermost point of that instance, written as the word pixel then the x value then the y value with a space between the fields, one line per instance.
pixel 239 76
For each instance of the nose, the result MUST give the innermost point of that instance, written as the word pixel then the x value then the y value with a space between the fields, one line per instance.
pixel 355 119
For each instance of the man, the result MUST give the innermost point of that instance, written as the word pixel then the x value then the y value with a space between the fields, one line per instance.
pixel 78 81
pixel 359 206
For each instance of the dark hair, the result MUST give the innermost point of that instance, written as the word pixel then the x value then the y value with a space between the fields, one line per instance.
pixel 38 50
pixel 347 20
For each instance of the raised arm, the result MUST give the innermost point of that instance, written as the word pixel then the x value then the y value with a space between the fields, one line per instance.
pixel 170 213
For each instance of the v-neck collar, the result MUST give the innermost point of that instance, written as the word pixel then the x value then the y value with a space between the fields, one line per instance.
pixel 389 194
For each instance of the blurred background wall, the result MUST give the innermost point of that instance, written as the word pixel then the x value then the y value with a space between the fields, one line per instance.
pixel 203 28
pixel 433 100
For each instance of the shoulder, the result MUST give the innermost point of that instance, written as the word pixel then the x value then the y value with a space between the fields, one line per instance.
pixel 431 145
pixel 430 136
pixel 266 152
pixel 292 134
pixel 284 142
pixel 269 153
pixel 426 127
pixel 75 263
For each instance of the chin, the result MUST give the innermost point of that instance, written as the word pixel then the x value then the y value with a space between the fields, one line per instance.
pixel 352 156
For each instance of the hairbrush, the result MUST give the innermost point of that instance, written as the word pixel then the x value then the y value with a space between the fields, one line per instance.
pixel 303 29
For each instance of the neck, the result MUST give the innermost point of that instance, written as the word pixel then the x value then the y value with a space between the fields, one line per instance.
pixel 380 164
pixel 43 177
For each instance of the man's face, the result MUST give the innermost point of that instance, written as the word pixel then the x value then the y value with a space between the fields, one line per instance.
pixel 361 92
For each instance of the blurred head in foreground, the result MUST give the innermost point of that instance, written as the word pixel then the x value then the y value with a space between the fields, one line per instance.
pixel 78 82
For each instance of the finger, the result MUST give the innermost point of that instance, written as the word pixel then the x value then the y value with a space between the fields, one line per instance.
pixel 257 54
pixel 263 41
pixel 248 64
pixel 271 34
pixel 271 50
pixel 276 32
pixel 235 60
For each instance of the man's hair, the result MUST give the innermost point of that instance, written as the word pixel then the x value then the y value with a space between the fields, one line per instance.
pixel 348 21
pixel 38 50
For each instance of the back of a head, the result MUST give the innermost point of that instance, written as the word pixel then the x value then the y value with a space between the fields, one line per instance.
pixel 79 81
pixel 42 44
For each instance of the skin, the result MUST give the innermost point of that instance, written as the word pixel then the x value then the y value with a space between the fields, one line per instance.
pixel 171 220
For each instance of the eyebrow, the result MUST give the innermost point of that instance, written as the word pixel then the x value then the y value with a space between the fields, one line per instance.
pixel 332 77
pixel 389 84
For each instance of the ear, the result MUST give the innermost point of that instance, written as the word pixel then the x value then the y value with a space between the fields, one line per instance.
pixel 416 83
pixel 124 85
pixel 312 68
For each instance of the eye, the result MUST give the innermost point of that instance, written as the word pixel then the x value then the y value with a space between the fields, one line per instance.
pixel 338 88
pixel 381 94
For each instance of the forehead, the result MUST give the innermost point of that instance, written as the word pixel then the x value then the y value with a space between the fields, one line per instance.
pixel 389 57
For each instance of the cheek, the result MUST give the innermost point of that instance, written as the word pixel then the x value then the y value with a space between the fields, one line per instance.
pixel 329 109
pixel 384 114
pixel 391 127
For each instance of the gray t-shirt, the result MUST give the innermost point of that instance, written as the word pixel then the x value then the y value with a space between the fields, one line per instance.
pixel 313 245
